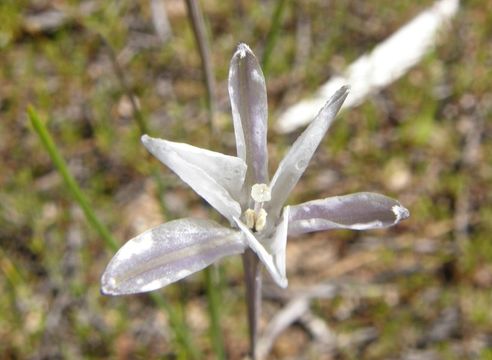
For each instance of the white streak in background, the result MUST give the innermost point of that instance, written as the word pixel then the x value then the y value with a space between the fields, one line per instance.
pixel 160 20
pixel 386 63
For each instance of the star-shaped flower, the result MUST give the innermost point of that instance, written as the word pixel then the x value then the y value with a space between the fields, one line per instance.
pixel 239 188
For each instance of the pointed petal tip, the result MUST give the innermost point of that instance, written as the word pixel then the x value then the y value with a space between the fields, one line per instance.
pixel 108 289
pixel 105 291
pixel 341 93
pixel 145 139
pixel 149 143
pixel 335 102
pixel 242 50
pixel 345 88
pixel 400 212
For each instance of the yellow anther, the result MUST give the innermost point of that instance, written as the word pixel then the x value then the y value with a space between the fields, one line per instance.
pixel 256 221
pixel 250 216
pixel 260 220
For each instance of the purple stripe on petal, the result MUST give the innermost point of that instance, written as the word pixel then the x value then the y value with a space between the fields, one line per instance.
pixel 247 92
pixel 358 211
pixel 168 253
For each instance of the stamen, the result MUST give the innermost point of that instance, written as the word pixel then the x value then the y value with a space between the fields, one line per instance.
pixel 261 220
pixel 256 218
pixel 260 193
pixel 250 216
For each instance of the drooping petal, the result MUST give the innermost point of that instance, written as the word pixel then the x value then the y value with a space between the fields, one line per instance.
pixel 297 159
pixel 216 177
pixel 359 211
pixel 247 92
pixel 278 242
pixel 266 258
pixel 167 253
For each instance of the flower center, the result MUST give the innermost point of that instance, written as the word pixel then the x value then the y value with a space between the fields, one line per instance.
pixel 256 218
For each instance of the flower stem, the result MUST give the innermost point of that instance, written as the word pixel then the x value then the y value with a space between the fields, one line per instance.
pixel 252 278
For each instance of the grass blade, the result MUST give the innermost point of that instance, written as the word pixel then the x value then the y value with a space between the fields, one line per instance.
pixel 198 25
pixel 272 35
pixel 69 180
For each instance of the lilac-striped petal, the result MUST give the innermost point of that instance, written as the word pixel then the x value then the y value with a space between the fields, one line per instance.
pixel 297 159
pixel 168 253
pixel 216 177
pixel 266 258
pixel 247 92
pixel 359 211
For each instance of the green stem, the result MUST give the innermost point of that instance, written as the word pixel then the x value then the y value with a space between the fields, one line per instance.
pixel 272 35
pixel 181 333
pixel 68 179
pixel 198 25
pixel 213 296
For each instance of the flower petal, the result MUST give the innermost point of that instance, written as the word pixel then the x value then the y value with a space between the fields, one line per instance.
pixel 167 253
pixel 247 91
pixel 278 242
pixel 359 211
pixel 297 159
pixel 266 258
pixel 216 177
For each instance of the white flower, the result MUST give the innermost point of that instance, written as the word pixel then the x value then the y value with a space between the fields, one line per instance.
pixel 239 188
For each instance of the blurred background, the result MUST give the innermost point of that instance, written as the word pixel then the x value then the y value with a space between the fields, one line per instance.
pixel 420 290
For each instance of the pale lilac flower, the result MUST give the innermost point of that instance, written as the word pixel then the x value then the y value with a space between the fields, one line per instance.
pixel 239 188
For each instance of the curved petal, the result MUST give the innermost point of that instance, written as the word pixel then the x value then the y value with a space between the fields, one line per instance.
pixel 266 258
pixel 359 211
pixel 247 92
pixel 216 177
pixel 168 253
pixel 297 159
